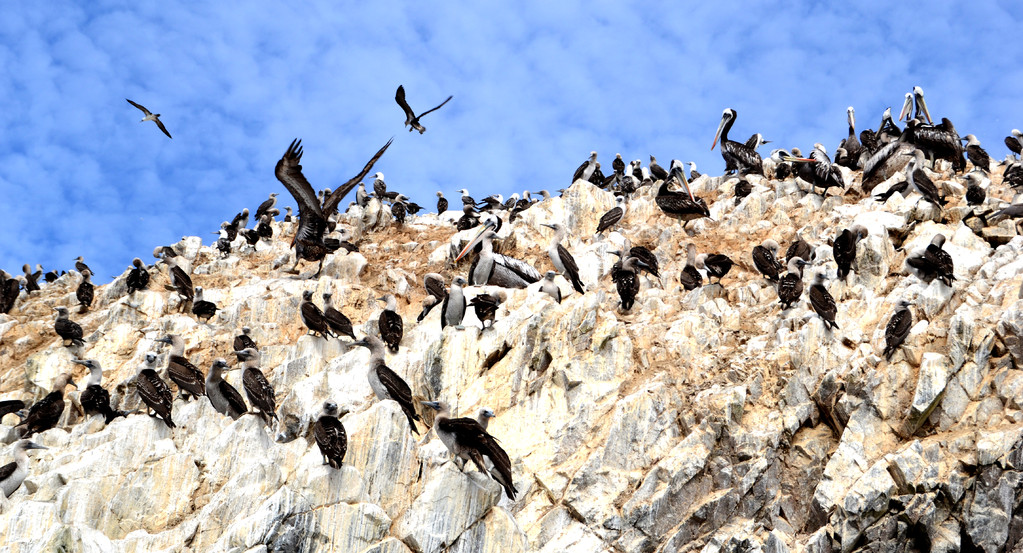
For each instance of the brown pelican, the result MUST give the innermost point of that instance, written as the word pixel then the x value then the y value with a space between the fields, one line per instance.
pixel 311 315
pixel 312 217
pixel 851 145
pixel 716 265
pixel 390 324
pixel 330 435
pixel 67 329
pixel 585 171
pixel 411 120
pixel 453 310
pixel 85 291
pixel 691 278
pixel 897 330
pixel 496 269
pixel 13 474
pixel 820 172
pixel 485 306
pixel 765 257
pixel 244 340
pixel 435 294
pixel 223 396
pixel 613 216
pixel 822 302
pixel 467 440
pixel 548 286
pixel 138 276
pixel 9 290
pixel 934 262
pixel 790 285
pixel 202 309
pixel 154 117
pixel 257 387
pixel 94 398
pixel 844 248
pixel 189 379
pixel 153 391
pixel 266 206
pixel 738 157
pixel 386 383
pixel 977 155
pixel 44 414
pixel 562 259
pixel 338 323
pixel 683 206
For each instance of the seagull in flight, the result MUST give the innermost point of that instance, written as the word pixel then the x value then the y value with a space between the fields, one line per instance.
pixel 410 116
pixel 154 118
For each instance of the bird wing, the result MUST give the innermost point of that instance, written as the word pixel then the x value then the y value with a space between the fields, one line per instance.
pixel 399 96
pixel 154 391
pixel 162 128
pixel 436 108
pixel 331 437
pixel 331 203
pixel 260 392
pixel 234 399
pixel 610 218
pixel 579 172
pixel 823 303
pixel 521 268
pixel 289 172
pixel 186 375
pixel 568 260
pixel 435 287
pixel 312 315
pixel 144 110
pixel 7 470
pixel 899 325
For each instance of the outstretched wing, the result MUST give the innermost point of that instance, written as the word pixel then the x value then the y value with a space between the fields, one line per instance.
pixel 144 110
pixel 330 206
pixel 162 128
pixel 311 221
pixel 436 108
pixel 399 97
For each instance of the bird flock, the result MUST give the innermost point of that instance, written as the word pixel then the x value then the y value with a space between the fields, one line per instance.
pixel 911 154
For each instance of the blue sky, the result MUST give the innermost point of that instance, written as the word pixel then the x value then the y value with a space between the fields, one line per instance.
pixel 536 86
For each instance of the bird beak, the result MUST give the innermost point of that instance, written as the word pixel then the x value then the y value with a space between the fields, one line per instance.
pixel 33 445
pixel 793 158
pixel 923 107
pixel 686 186
pixel 476 240
pixel 78 362
pixel 721 125
pixel 907 107
pixel 432 404
pixel 548 226
pixel 71 383
pixel 164 340
pixel 762 141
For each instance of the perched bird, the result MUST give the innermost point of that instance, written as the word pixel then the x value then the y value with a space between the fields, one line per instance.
pixel 934 262
pixel 261 394
pixel 67 329
pixel 626 280
pixel 1014 142
pixel 188 378
pixel 94 398
pixel 31 279
pixel 266 206
pixel 411 119
pixel 562 259
pixel 691 278
pixel 656 171
pixel 716 265
pixel 466 439
pixel 916 176
pixel 85 291
pixel 244 340
pixel 240 220
pixel 485 306
pixel 547 286
pixel 442 203
pixel 390 324
pixel 976 154
pixel 976 194
pixel 9 290
pixel 453 310
pixel 311 315
pixel 386 384
pixel 484 416
pixel 44 414
pixel 844 248
pixel 80 265
pixel 330 435
pixel 151 117
pixel 613 216
pixel 13 474
pixel 765 258
pixel 338 323
pixel 223 396
pixel 798 248
pixel 618 165
pixel 153 391
pixel 738 156
pixel 398 210
pixel 435 294
pixel 693 173
pixel 585 171
pixel 822 301
pixel 138 276
pixel 202 309
pixel 897 329
pixel 180 282
pixel 790 285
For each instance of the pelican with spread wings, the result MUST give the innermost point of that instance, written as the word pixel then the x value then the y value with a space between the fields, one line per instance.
pixel 411 120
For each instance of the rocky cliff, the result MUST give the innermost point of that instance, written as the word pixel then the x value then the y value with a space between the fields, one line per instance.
pixel 708 420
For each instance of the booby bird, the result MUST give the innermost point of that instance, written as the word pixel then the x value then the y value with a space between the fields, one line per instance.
pixel 453 310
pixel 361 197
pixel 31 279
pixel 44 414
pixel 181 371
pixel 266 206
pixel 485 306
pixel 851 145
pixel 180 282
pixel 916 176
pixel 442 203
pixel 585 171
pixel 154 117
pixel 598 178
pixel 80 265
pixel 386 384
pixel 484 416
pixel 790 285
pixel 287 215
pixel 399 209
pixel 626 279
pixel 897 329
pixel 468 219
pixel 67 329
pixel 934 262
pixel 1014 142
pixel 822 301
pixel 496 269
pixel 330 435
pixel 261 394
pixel 977 155
pixel 765 257
pixel 312 217
pixel 51 276
pixel 241 220
pixel 656 171
pixel 411 120
pixel 844 248
pixel 94 398
pixel 548 286
pixel 85 291
pixel 618 165
pixel 9 290
pixel 13 474
pixel 435 294
pixel 244 341
pixel 693 173
pixel 138 276
pixel 738 157
pixel 716 265
pixel 224 241
pixel 223 396
pixel 798 248
pixel 466 439
pixel 976 193
pixel 691 278
pixel 650 263
pixel 264 230
pixel 202 309
pixel 311 315
pixel 562 259
pixel 613 216
pixel 338 323
pixel 683 206
pixel 390 324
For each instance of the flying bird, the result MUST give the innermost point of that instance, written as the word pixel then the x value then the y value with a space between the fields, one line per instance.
pixel 155 118
pixel 411 120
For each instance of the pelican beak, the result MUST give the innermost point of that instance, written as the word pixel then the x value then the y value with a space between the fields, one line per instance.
pixel 923 105
pixel 688 191
pixel 721 125
pixel 476 240
pixel 907 108
pixel 793 158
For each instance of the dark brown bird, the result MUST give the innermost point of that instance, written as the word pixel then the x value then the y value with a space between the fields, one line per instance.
pixel 613 216
pixel 716 265
pixel 138 276
pixel 466 439
pixel 844 248
pixel 390 324
pixel 44 414
pixel 244 341
pixel 94 398
pixel 934 262
pixel 790 285
pixel 411 119
pixel 330 435
pixel 312 317
pixel 190 380
pixel 485 306
pixel 67 329
pixel 822 301
pixel 261 394
pixel 85 291
pixel 386 383
pixel 897 330
pixel 765 258
pixel 691 278
pixel 202 309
